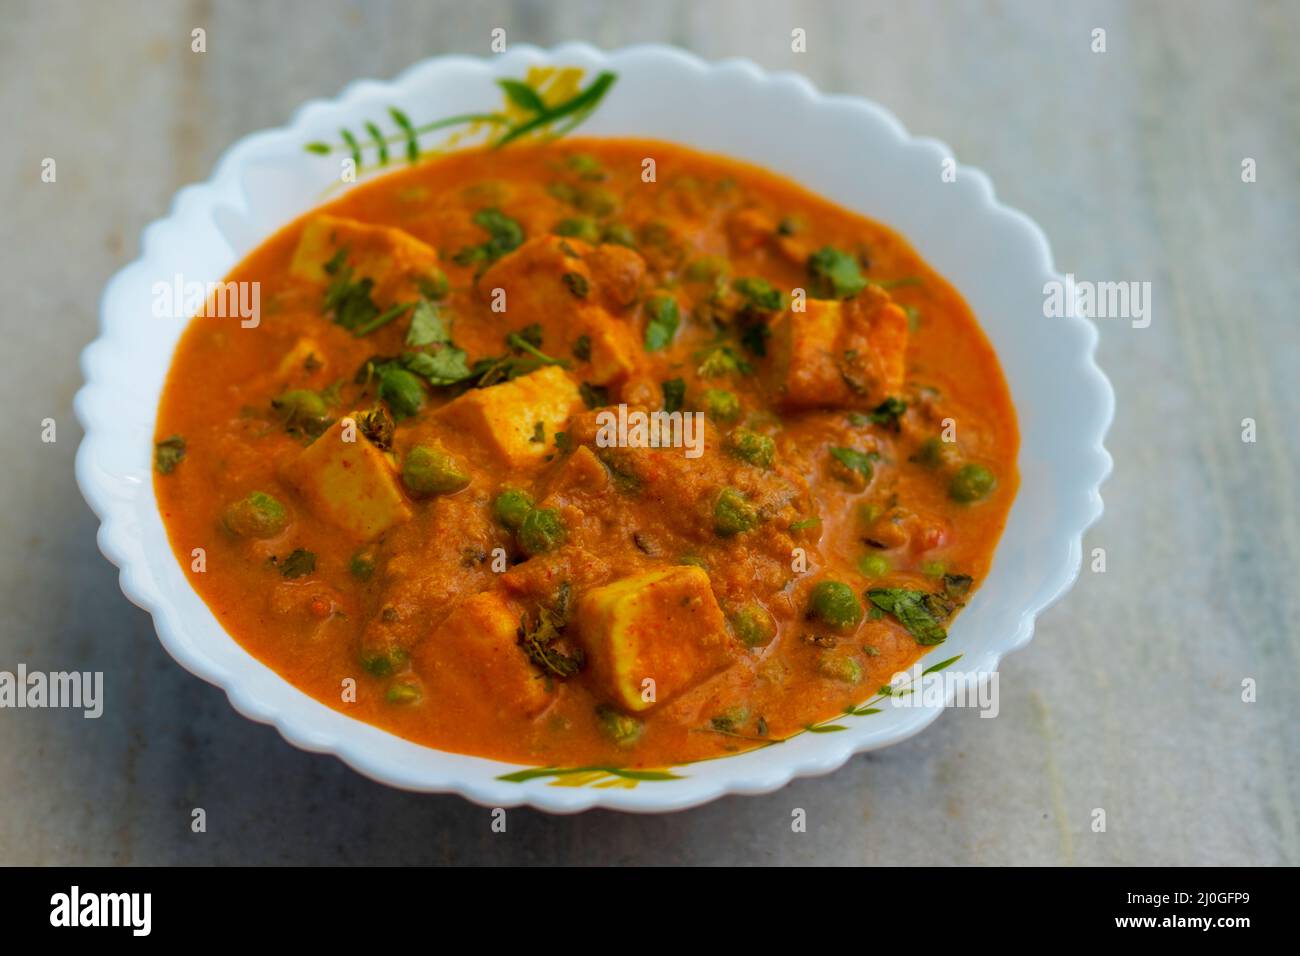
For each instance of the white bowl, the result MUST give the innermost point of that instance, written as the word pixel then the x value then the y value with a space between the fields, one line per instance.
pixel 842 147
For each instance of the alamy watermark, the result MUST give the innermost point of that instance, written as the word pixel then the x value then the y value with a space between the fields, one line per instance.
pixel 1098 300
pixel 179 299
pixel 919 688
pixel 75 690
pixel 637 429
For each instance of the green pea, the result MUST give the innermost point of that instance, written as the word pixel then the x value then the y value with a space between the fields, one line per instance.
pixel 303 410
pixel 706 269
pixel 595 201
pixel 752 447
pixel 733 514
pixel 511 507
pixel 619 234
pixel 578 227
pixel 835 604
pixel 620 728
pixel 753 625
pixel 383 661
pixel 541 531
pixel 730 720
pixel 721 405
pixel 258 516
pixel 840 668
pixel 931 452
pixel 403 692
pixel 402 391
pixel 933 569
pixel 971 483
pixel 431 471
pixel 362 565
pixel 435 285
pixel 873 565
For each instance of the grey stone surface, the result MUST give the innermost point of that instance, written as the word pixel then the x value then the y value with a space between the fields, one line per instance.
pixel 1129 697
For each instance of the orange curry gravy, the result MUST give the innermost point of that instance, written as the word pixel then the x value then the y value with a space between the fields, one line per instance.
pixel 624 606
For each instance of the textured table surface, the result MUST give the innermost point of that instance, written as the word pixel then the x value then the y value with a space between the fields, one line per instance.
pixel 1129 698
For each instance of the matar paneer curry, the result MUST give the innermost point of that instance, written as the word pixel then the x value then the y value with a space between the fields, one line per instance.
pixel 534 459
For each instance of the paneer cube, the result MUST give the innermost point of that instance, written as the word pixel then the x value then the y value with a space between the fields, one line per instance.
pixel 847 354
pixel 391 257
pixel 305 358
pixel 613 345
pixel 475 661
pixel 663 625
pixel 569 288
pixel 349 483
pixel 802 347
pixel 517 419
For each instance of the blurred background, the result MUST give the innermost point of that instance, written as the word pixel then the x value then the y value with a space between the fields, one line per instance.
pixel 1129 698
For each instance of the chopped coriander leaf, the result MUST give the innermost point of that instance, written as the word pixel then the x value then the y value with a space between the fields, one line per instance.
pixel 754 338
pixel 674 394
pixel 383 318
pixel 445 366
pixel 168 453
pixel 532 334
pixel 594 396
pixel 299 563
pixel 663 320
pixel 835 274
pixel 362 565
pixel 577 284
pixel 582 348
pixel 923 613
pixel 789 226
pixel 504 235
pixel 539 634
pixel 854 461
pixel 759 294
pixel 522 358
pixel 347 300
pixel 888 412
pixel 428 326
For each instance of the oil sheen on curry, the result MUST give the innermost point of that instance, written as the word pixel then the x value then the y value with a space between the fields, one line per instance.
pixel 557 466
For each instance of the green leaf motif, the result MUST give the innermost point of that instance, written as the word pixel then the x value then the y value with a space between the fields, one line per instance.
pixel 552 121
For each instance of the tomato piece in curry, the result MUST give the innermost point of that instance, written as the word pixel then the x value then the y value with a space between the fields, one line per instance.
pixel 409 477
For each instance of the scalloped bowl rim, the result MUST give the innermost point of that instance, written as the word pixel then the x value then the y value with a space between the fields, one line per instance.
pixel 118 490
